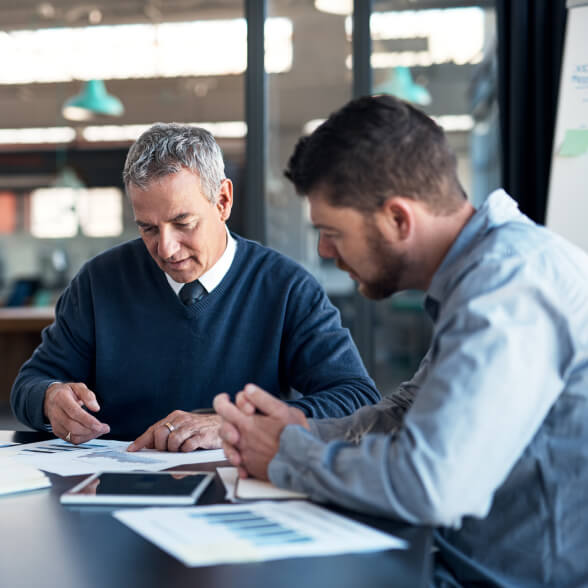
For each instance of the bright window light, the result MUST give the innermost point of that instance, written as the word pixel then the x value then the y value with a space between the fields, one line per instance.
pixel 454 35
pixel 220 130
pixel 58 212
pixel 455 122
pixel 100 212
pixel 53 213
pixel 198 48
pixel 232 129
pixel 37 135
pixel 449 123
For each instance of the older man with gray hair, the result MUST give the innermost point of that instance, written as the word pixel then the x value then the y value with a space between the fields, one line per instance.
pixel 149 331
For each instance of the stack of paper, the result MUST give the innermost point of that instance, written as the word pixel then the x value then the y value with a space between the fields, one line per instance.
pixel 15 477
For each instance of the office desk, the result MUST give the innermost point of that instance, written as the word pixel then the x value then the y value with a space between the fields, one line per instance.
pixel 45 544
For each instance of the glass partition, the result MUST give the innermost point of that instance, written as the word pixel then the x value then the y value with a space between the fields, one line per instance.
pixel 443 60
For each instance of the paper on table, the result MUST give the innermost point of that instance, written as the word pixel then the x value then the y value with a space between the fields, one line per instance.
pixel 228 476
pixel 65 459
pixel 210 535
pixel 15 477
pixel 251 489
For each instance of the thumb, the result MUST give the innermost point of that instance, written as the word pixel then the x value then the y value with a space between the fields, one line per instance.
pixel 263 401
pixel 87 397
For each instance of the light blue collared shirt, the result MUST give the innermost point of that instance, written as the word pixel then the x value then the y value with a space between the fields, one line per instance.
pixel 494 449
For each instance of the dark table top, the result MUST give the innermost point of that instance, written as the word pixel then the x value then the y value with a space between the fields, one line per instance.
pixel 43 543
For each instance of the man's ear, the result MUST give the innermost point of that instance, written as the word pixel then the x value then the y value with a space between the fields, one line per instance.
pixel 398 216
pixel 224 200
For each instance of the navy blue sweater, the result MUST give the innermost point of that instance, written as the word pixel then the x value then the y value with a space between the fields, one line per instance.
pixel 122 330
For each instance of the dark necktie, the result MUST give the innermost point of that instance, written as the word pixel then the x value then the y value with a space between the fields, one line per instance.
pixel 192 292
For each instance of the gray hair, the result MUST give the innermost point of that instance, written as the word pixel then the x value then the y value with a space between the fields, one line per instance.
pixel 167 148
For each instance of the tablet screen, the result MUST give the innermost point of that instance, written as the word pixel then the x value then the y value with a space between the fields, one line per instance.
pixel 139 488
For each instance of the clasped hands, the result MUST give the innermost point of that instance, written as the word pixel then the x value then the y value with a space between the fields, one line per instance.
pixel 251 428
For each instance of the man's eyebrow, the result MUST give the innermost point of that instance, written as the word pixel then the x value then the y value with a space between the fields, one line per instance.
pixel 321 227
pixel 180 217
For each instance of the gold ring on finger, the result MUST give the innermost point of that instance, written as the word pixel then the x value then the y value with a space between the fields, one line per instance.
pixel 170 427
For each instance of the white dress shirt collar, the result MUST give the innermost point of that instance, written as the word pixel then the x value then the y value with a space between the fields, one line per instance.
pixel 211 278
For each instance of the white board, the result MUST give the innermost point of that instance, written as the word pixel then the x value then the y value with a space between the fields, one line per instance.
pixel 567 204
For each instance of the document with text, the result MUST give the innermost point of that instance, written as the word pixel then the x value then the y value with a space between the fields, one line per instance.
pixel 59 457
pixel 210 535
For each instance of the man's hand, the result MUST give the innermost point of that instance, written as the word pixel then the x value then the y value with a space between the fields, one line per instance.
pixel 63 408
pixel 181 431
pixel 251 439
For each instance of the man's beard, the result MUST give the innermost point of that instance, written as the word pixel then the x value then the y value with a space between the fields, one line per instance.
pixel 392 268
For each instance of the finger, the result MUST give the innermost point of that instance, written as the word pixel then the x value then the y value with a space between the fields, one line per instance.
pixel 86 395
pixel 182 434
pixel 160 434
pixel 204 439
pixel 65 414
pixel 229 433
pixel 229 412
pixel 242 401
pixel 242 472
pixel 263 401
pixel 143 441
pixel 80 419
pixel 220 400
pixel 76 439
pixel 231 454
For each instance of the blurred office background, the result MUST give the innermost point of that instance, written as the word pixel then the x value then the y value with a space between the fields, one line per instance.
pixel 79 81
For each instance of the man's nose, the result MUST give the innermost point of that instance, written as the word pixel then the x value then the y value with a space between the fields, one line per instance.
pixel 167 245
pixel 325 248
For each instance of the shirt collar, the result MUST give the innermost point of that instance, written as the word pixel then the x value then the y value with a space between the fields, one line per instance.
pixel 497 209
pixel 211 278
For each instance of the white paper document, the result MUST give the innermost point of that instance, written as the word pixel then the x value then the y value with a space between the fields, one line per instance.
pixel 238 489
pixel 210 535
pixel 16 477
pixel 59 457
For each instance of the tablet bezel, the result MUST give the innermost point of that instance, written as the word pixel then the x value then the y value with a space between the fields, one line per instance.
pixel 75 496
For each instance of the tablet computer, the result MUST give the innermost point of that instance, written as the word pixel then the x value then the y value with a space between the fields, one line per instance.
pixel 170 487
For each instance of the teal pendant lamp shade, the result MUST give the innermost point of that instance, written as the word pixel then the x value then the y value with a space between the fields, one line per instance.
pixel 401 85
pixel 92 100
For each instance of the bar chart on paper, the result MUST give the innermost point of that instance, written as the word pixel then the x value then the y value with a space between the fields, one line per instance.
pixel 65 459
pixel 210 535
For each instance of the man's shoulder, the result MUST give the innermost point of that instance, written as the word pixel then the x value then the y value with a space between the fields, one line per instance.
pixel 120 254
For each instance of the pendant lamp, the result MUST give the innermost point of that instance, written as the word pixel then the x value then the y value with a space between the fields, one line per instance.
pixel 91 101
pixel 401 85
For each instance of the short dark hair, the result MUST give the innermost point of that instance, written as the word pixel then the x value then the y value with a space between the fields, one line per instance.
pixel 375 147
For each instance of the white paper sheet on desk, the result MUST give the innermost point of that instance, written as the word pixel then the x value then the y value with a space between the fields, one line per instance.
pixel 260 531
pixel 65 459
pixel 15 477
pixel 238 489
